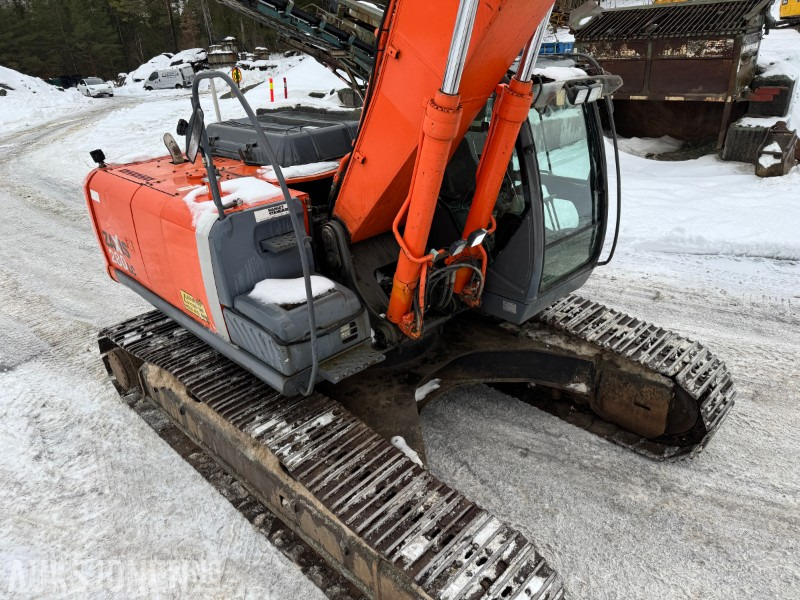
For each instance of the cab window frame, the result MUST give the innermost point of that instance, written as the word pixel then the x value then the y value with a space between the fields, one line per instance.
pixel 599 200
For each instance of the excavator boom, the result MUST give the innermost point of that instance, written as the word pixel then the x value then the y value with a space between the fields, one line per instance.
pixel 409 70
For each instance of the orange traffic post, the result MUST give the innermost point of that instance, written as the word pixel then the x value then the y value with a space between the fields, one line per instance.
pixel 439 129
pixel 271 90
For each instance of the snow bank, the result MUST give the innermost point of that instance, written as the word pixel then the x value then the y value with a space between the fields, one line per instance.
pixel 306 74
pixel 134 133
pixel 708 207
pixel 286 292
pixel 162 61
pixel 30 101
pixel 304 77
pixel 190 56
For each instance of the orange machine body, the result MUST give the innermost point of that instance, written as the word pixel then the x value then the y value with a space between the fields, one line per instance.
pixel 409 72
pixel 148 230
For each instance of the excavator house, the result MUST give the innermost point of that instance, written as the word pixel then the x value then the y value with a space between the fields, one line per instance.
pixel 318 277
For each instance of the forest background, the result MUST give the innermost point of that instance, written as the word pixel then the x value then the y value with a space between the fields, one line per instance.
pixel 51 38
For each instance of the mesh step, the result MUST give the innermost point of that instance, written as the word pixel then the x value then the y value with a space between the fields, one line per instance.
pixel 355 360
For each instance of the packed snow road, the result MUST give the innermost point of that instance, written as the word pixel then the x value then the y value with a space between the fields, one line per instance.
pixel 93 502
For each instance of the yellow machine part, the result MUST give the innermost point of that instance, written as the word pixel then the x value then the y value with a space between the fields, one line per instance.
pixel 790 8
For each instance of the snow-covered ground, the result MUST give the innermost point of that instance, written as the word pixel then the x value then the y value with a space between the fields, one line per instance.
pixel 711 207
pixel 94 504
pixel 29 101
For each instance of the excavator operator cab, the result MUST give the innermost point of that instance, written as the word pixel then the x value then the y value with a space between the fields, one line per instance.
pixel 553 207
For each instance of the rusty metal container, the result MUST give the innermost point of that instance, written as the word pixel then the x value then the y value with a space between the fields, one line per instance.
pixel 691 62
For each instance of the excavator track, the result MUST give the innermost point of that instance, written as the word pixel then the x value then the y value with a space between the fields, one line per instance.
pixel 688 364
pixel 330 581
pixel 365 507
pixel 362 504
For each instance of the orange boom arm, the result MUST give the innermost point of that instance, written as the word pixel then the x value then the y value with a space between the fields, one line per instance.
pixel 409 72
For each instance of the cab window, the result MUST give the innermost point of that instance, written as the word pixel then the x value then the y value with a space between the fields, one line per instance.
pixel 570 201
pixel 153 76
pixel 458 184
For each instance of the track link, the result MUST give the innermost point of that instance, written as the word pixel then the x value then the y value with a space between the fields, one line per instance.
pixel 421 538
pixel 329 581
pixel 690 365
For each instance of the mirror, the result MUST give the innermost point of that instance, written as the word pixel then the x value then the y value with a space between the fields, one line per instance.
pixel 194 135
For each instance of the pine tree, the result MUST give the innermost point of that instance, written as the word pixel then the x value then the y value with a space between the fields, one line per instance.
pixel 93 39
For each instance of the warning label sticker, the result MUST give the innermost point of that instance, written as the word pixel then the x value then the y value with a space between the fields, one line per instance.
pixel 194 306
pixel 272 212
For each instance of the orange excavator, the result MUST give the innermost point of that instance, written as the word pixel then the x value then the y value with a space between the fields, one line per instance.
pixel 320 276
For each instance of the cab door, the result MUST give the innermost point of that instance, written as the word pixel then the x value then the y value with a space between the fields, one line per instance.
pixel 572 217
pixel 560 166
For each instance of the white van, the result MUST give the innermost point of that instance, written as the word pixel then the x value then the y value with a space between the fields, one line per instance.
pixel 167 79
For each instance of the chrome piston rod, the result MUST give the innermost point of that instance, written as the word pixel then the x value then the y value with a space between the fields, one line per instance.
pixel 462 34
pixel 531 51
